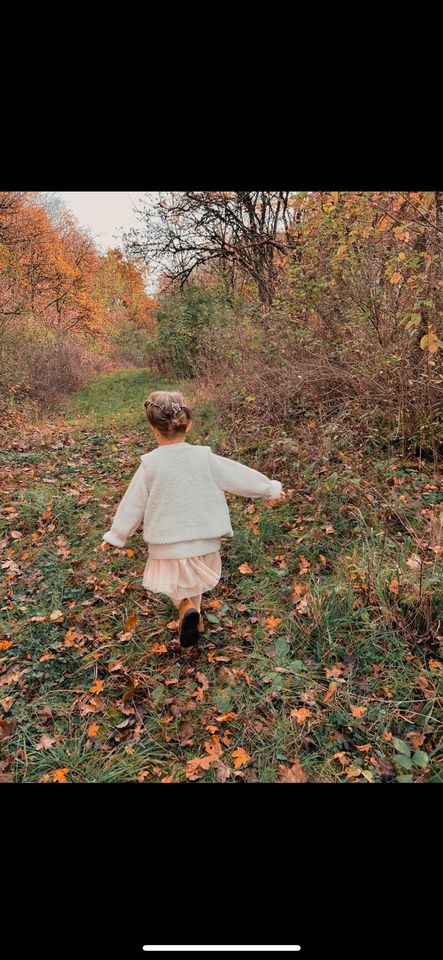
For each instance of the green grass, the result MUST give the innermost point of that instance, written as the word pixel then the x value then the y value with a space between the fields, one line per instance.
pixel 159 709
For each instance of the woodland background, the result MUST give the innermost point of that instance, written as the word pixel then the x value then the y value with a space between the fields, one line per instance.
pixel 306 330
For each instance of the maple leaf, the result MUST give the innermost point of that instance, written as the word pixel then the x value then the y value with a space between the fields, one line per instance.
pixel 45 742
pixel 245 568
pixel 93 730
pixel 358 711
pixel 97 687
pixel 240 757
pixel 301 714
pixel 159 648
pixel 273 622
pixel 292 774
pixel 342 758
pixel 59 776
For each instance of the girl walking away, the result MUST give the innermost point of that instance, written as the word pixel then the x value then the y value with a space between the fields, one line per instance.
pixel 178 492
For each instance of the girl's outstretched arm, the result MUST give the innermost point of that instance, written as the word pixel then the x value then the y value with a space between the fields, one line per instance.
pixel 237 478
pixel 130 511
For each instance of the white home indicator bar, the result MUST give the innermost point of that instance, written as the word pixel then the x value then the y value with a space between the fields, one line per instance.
pixel 244 949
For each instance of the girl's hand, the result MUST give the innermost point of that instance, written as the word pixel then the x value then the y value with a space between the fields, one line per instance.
pixel 281 496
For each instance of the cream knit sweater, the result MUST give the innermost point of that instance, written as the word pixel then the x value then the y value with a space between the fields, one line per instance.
pixel 178 493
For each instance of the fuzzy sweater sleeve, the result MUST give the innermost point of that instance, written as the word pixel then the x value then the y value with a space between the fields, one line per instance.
pixel 237 478
pixel 130 510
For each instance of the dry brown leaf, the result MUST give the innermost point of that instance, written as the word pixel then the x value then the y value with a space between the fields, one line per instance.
pixel 292 774
pixel 45 742
pixel 245 568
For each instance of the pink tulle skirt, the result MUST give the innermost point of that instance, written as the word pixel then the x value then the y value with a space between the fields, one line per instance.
pixel 184 577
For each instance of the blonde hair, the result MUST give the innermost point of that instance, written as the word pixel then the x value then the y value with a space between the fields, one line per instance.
pixel 167 411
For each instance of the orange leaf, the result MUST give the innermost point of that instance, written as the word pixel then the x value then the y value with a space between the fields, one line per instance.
pixel 93 729
pixel 131 622
pixel 331 690
pixel 396 277
pixel 301 714
pixel 97 687
pixel 365 747
pixel 214 604
pixel 358 711
pixel 273 622
pixel 159 648
pixel 59 776
pixel 393 586
pixel 5 644
pixel 166 780
pixel 245 568
pixel 240 757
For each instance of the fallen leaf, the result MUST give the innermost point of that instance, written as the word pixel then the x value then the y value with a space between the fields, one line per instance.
pixel 5 644
pixel 393 586
pixel 93 730
pixel 331 690
pixel 273 622
pixel 59 776
pixel 245 568
pixel 131 622
pixel 166 780
pixel 358 711
pixel 414 562
pixel 240 757
pixel 6 728
pixel 353 772
pixel 97 687
pixel 301 714
pixel 56 615
pixel 45 742
pixel 292 774
pixel 159 648
pixel 342 758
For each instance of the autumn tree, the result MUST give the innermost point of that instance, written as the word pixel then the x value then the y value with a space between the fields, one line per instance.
pixel 248 232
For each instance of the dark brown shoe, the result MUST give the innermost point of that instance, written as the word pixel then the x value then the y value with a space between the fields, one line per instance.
pixel 188 624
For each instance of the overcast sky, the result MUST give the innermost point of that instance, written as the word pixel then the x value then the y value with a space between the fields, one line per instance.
pixel 107 214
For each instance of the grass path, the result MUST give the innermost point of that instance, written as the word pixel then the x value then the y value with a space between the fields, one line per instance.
pixel 322 657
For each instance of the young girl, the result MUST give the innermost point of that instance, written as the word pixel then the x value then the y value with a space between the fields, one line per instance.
pixel 178 492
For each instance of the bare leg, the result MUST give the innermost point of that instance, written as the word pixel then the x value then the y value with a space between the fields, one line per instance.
pixel 196 601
